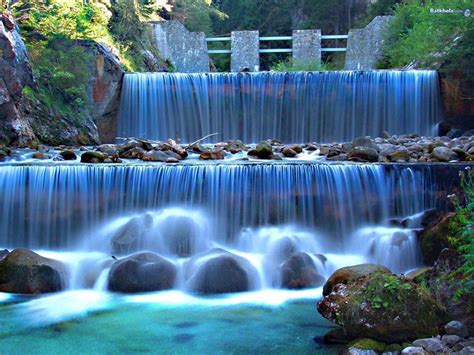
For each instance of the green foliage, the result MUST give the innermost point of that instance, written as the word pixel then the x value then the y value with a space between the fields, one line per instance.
pixel 463 227
pixel 386 291
pixel 304 65
pixel 197 15
pixel 61 69
pixel 418 35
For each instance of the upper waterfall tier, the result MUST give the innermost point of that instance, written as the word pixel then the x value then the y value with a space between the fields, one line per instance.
pixel 291 107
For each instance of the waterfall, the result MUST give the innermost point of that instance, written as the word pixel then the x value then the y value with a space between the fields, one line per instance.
pixel 292 107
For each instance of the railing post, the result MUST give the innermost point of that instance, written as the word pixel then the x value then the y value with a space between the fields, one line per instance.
pixel 245 47
pixel 307 46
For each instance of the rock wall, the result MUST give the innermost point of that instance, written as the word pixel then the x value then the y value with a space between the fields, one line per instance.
pixel 15 74
pixel 187 51
pixel 103 90
pixel 307 46
pixel 245 51
pixel 364 45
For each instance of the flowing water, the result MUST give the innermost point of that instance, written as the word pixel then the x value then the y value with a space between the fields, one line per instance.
pixel 293 107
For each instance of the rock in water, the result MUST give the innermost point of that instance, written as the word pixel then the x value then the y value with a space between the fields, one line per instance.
pixel 216 154
pixel 142 272
pixel 23 271
pixel 349 274
pixel 299 271
pixel 68 155
pixel 130 236
pixel 218 271
pixel 363 154
pixel 444 154
pixel 263 150
pixel 93 157
pixel 383 307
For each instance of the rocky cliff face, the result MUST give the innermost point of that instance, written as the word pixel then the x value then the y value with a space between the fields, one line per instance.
pixel 15 74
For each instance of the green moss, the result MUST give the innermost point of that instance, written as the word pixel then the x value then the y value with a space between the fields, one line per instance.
pixel 368 344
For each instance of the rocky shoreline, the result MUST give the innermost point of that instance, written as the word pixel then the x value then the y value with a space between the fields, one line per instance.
pixel 395 149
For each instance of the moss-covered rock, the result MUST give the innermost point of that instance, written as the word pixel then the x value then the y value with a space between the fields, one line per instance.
pixel 349 274
pixel 436 237
pixel 368 344
pixel 23 271
pixel 383 307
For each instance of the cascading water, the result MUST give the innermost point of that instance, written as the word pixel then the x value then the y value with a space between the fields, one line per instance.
pixel 292 107
pixel 260 212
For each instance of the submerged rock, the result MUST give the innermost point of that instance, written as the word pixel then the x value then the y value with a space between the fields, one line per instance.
pixel 129 237
pixel 23 271
pixel 383 307
pixel 299 271
pixel 181 235
pixel 142 272
pixel 219 271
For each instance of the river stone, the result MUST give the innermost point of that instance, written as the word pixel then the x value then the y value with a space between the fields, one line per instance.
pixel 350 273
pixel 433 345
pixel 133 153
pixel 415 350
pixel 363 154
pixel 299 271
pixel 23 271
pixel 444 154
pixel 109 149
pixel 160 156
pixel 263 150
pixel 456 328
pixel 68 155
pixel 450 340
pixel 142 272
pixel 288 152
pixel 219 271
pixel 365 142
pixel 215 154
pixel 93 157
pixel 357 351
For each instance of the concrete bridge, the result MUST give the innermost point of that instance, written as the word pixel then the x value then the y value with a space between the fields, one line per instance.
pixel 189 52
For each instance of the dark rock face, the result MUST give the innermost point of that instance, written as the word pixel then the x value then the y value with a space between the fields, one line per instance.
pixel 142 272
pixel 299 271
pixel 349 274
pixel 435 237
pixel 16 73
pixel 220 272
pixel 383 307
pixel 103 90
pixel 23 271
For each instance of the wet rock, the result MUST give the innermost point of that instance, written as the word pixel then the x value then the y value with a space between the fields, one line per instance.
pixel 263 150
pixel 93 157
pixel 436 236
pixel 299 271
pixel 219 271
pixel 356 351
pixel 129 145
pixel 215 154
pixel 415 350
pixel 181 236
pixel 368 344
pixel 349 274
pixel 68 155
pixel 363 154
pixel 444 154
pixel 235 146
pixel 364 307
pixel 40 156
pixel 275 157
pixel 288 152
pixel 142 272
pixel 432 345
pixel 282 249
pixel 109 149
pixel 133 153
pixel 160 156
pixel 130 237
pixel 23 271
pixel 400 154
pixel 311 147
pixel 3 254
pixel 364 142
pixel 337 336
pixel 456 328
pixel 450 340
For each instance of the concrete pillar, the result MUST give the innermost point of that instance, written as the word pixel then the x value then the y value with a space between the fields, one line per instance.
pixel 364 45
pixel 307 46
pixel 245 47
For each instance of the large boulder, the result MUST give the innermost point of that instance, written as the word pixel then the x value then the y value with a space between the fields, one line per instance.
pixel 263 150
pixel 142 272
pixel 299 271
pixel 383 307
pixel 350 274
pixel 23 271
pixel 130 236
pixel 219 271
pixel 181 235
pixel 363 154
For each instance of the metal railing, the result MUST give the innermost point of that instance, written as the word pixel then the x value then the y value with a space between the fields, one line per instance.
pixel 275 38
